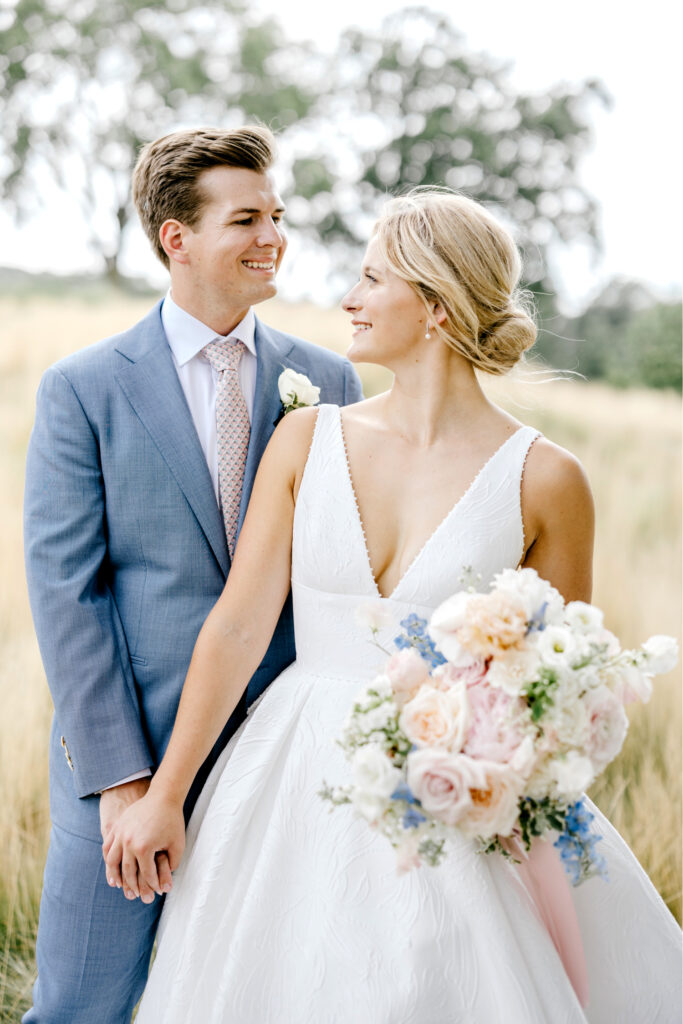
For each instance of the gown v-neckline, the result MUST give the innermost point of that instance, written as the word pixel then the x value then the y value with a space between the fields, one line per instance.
pixel 437 529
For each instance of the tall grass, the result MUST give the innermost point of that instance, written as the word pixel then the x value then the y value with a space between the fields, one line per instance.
pixel 630 445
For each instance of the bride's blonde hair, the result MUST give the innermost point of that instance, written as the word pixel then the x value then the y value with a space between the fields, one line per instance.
pixel 450 250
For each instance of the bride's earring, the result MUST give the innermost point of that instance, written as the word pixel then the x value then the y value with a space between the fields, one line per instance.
pixel 427 332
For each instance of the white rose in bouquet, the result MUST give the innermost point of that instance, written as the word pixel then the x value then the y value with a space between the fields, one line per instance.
pixel 444 624
pixel 373 771
pixel 536 594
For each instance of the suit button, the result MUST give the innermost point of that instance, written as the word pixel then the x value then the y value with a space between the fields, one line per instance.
pixel 67 754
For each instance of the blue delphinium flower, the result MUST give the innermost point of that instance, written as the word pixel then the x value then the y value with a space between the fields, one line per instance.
pixel 412 818
pixel 404 792
pixel 415 635
pixel 577 845
pixel 537 622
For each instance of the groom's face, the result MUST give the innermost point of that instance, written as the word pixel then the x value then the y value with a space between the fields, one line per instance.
pixel 235 250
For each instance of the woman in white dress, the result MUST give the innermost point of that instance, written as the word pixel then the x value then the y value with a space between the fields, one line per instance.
pixel 282 911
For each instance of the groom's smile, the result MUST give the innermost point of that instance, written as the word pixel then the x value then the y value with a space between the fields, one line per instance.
pixel 228 260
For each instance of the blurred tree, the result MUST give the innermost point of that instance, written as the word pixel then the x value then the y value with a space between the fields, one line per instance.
pixel 649 354
pixel 626 336
pixel 412 105
pixel 83 85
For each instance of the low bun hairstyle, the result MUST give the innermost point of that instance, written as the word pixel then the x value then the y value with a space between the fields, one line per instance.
pixel 450 250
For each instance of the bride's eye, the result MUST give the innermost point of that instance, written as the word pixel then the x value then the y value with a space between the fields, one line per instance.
pixel 370 277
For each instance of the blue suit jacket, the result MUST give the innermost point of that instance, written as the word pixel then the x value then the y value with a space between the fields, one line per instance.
pixel 126 551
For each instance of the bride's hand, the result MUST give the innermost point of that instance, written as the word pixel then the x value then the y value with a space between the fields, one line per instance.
pixel 144 846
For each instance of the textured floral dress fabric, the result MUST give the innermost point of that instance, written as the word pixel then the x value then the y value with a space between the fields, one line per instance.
pixel 283 913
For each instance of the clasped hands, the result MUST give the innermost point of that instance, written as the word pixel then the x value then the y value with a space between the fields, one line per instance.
pixel 143 836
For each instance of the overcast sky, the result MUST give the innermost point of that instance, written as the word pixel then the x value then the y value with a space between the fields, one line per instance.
pixel 633 169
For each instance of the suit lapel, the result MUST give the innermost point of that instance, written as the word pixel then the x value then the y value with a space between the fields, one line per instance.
pixel 151 385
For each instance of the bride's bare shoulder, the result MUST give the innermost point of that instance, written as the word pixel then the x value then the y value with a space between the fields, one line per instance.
pixel 555 485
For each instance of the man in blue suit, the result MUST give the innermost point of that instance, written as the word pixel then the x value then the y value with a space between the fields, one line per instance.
pixel 126 548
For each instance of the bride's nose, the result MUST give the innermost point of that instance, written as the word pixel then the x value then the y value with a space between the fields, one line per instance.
pixel 349 303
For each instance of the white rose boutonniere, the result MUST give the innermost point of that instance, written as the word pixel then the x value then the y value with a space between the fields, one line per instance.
pixel 296 391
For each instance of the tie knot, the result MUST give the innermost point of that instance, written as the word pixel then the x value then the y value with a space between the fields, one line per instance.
pixel 224 353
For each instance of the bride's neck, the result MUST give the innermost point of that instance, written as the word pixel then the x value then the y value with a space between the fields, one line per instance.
pixel 427 406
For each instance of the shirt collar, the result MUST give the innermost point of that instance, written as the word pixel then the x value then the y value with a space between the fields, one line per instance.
pixel 187 336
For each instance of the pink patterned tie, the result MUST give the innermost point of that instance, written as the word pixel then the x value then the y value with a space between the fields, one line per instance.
pixel 232 429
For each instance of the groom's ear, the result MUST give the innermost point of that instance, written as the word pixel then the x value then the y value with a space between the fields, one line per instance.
pixel 172 235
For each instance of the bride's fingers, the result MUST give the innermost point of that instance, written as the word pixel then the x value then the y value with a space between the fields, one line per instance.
pixel 164 872
pixel 129 867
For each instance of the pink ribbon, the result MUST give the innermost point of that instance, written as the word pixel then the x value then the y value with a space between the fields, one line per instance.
pixel 545 880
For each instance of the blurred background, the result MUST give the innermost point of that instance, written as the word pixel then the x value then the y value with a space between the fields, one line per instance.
pixel 561 120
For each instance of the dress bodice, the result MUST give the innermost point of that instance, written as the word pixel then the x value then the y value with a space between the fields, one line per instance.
pixel 331 574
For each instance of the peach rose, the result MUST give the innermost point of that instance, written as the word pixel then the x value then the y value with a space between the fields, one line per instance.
pixel 436 718
pixel 494 802
pixel 494 623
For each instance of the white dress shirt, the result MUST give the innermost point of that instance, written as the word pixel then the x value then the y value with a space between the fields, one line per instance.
pixel 187 336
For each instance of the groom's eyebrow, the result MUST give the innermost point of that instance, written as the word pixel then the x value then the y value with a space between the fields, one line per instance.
pixel 255 209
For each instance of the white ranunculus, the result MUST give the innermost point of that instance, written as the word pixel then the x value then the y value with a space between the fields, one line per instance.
pixel 583 617
pixel 661 653
pixel 573 774
pixel 296 388
pixel 373 773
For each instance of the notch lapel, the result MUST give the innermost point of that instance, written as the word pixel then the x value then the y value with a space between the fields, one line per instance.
pixel 151 385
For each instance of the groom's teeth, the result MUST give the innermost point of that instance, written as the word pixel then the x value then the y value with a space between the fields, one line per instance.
pixel 259 266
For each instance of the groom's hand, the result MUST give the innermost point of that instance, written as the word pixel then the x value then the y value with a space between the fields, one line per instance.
pixel 113 802
pixel 144 845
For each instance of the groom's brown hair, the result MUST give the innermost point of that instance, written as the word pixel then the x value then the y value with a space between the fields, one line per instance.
pixel 165 178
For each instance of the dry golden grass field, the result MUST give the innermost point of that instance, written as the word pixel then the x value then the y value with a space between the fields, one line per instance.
pixel 630 445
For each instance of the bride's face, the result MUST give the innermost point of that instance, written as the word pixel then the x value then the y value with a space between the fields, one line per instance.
pixel 388 318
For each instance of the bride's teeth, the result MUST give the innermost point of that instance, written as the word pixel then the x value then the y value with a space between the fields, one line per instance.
pixel 258 266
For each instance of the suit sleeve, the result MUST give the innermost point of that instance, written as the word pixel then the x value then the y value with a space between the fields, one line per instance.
pixel 77 623
pixel 353 389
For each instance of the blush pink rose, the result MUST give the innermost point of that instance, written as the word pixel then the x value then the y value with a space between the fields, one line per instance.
pixel 607 723
pixel 448 675
pixel 441 782
pixel 493 733
pixel 406 672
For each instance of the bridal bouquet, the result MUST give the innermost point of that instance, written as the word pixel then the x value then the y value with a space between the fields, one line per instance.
pixel 491 720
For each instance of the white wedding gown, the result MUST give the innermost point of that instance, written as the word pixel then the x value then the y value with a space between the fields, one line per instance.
pixel 284 912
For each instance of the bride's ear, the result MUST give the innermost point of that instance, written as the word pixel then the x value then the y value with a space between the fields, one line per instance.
pixel 438 313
